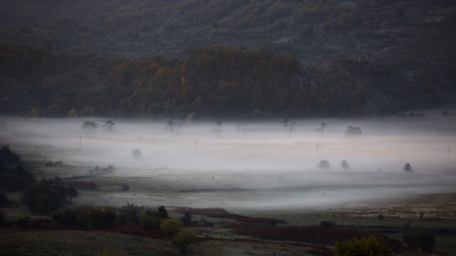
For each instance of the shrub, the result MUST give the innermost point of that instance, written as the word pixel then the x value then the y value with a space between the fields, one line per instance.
pixel 366 246
pixel 88 217
pixel 353 131
pixel 408 167
pixel 136 152
pixel 419 239
pixel 151 222
pixel 99 218
pixel 183 240
pixel 128 214
pixel 345 165
pixel 324 164
pixel 42 200
pixel 89 125
pixel 170 227
pixel 48 195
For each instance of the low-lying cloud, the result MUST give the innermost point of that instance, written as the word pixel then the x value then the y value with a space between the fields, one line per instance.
pixel 251 164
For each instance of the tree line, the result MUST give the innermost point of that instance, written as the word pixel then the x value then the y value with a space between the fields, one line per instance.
pixel 214 81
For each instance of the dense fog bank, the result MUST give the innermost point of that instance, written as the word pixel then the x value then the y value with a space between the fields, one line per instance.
pixel 233 164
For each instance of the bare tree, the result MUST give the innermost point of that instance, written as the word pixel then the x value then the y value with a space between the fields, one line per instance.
pixel 322 127
pixel 345 165
pixel 89 125
pixel 408 167
pixel 218 128
pixel 108 125
pixel 173 126
pixel 324 164
pixel 288 124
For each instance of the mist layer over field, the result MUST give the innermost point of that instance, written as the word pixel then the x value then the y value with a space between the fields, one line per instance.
pixel 245 164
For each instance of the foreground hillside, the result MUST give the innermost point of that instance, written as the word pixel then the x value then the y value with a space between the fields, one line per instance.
pixel 271 59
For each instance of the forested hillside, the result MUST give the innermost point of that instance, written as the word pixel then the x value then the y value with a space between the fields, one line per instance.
pixel 226 58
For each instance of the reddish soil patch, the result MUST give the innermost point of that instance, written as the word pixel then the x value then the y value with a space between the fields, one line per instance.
pixel 312 235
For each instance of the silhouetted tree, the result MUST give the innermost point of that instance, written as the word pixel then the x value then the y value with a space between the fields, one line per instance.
pixel 345 165
pixel 162 212
pixel 288 124
pixel 324 164
pixel 186 218
pixel 108 125
pixel 353 131
pixel 136 152
pixel 322 127
pixel 218 128
pixel 89 125
pixel 408 167
pixel 173 126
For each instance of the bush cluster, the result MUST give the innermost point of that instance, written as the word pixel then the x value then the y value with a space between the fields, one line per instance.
pixel 365 246
pixel 48 195
pixel 91 217
pixel 88 217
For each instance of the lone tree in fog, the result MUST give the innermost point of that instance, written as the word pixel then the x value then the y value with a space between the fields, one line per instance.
pixel 218 128
pixel 408 167
pixel 173 126
pixel 344 165
pixel 353 131
pixel 108 125
pixel 136 152
pixel 288 124
pixel 89 125
pixel 322 127
pixel 324 164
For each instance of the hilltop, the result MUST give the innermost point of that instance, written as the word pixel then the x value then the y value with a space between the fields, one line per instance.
pixel 361 57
